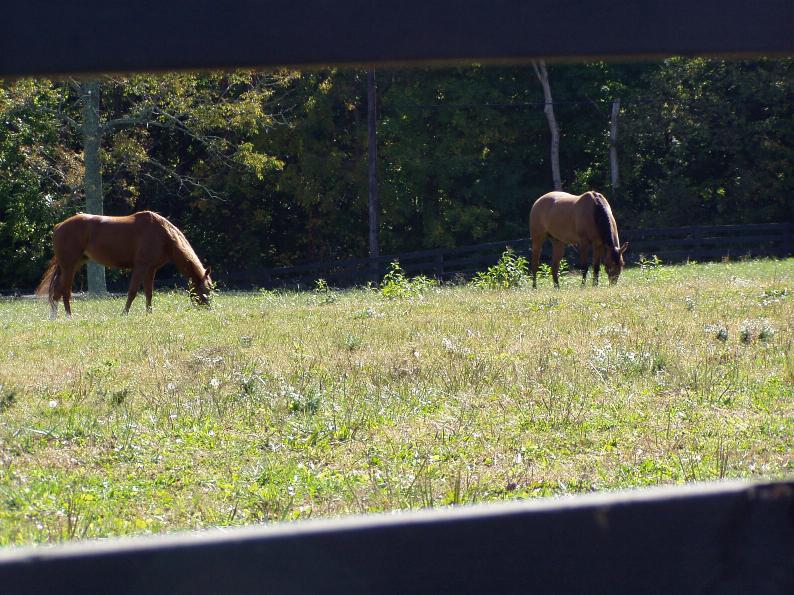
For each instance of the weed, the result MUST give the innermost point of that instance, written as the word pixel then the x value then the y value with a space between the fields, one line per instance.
pixel 352 342
pixel 367 313
pixel 544 270
pixel 305 401
pixel 758 329
pixel 652 269
pixel 397 285
pixel 718 331
pixel 649 264
pixel 322 289
pixel 7 398
pixel 774 295
pixel 510 272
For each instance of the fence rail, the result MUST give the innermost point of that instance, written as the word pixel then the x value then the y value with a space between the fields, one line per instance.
pixel 49 37
pixel 670 244
pixel 710 538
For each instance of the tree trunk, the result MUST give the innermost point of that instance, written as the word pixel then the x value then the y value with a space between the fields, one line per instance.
pixel 543 77
pixel 92 179
pixel 613 144
pixel 374 248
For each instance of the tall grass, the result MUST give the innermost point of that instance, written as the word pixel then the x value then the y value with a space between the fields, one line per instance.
pixel 274 406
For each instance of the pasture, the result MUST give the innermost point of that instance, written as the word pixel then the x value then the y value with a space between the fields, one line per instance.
pixel 283 406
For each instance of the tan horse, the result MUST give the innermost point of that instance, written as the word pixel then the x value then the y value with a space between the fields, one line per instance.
pixel 585 221
pixel 143 242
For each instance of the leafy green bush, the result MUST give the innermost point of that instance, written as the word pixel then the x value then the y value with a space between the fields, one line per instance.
pixel 511 271
pixel 544 270
pixel 396 284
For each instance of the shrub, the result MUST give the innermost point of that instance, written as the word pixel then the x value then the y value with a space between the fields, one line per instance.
pixel 511 271
pixel 396 284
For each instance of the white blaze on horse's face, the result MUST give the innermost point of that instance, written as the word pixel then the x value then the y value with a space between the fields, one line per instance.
pixel 204 289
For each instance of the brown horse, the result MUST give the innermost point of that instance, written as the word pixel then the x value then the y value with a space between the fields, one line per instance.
pixel 143 242
pixel 584 220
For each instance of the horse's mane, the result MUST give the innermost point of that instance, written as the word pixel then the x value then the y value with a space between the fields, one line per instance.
pixel 603 220
pixel 182 246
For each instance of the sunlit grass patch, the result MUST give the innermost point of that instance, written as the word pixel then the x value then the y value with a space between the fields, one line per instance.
pixel 281 405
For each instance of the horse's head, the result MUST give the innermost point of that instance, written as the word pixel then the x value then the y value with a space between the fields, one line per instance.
pixel 202 289
pixel 613 262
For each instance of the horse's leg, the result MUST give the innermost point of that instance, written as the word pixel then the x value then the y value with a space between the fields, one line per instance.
pixel 135 284
pixel 67 277
pixel 148 287
pixel 55 297
pixel 557 252
pixel 597 252
pixel 584 262
pixel 537 245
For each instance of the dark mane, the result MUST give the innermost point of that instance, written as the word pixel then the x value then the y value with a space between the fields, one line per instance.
pixel 603 220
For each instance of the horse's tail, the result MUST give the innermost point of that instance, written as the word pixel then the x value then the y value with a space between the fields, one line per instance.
pixel 50 280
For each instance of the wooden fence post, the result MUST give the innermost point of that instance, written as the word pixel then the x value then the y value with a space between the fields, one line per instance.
pixel 613 143
pixel 438 262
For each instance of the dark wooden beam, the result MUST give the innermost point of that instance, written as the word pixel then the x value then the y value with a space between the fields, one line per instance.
pixel 720 538
pixel 40 37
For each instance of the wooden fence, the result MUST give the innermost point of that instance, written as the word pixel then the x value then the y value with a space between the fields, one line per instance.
pixel 709 538
pixel 719 539
pixel 670 244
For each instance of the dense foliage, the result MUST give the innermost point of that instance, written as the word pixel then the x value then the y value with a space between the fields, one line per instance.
pixel 265 169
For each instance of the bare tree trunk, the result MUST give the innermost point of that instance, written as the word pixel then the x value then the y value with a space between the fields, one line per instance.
pixel 92 179
pixel 613 144
pixel 543 77
pixel 374 248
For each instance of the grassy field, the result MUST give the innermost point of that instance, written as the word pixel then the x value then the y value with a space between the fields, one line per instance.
pixel 274 406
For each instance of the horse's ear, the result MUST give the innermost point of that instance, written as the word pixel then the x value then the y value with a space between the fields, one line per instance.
pixel 624 247
pixel 207 272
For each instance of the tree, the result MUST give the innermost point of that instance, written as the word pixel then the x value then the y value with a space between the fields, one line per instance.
pixel 92 180
pixel 539 67
pixel 206 109
pixel 39 179
pixel 372 143
pixel 713 142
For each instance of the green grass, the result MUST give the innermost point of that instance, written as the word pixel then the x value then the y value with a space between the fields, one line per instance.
pixel 275 406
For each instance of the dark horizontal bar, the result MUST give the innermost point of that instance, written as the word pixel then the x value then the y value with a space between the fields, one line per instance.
pixel 778 228
pixel 668 243
pixel 44 37
pixel 718 538
pixel 727 241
